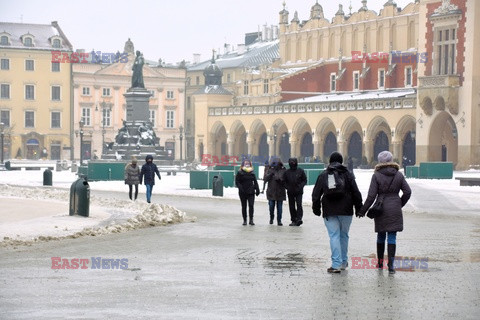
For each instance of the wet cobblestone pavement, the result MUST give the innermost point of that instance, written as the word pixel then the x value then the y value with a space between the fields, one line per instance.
pixel 215 268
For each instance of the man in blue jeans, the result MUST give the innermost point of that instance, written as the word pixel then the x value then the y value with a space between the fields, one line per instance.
pixel 337 192
pixel 147 175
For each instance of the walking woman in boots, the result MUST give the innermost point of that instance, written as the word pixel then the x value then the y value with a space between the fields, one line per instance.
pixel 132 177
pixel 387 182
pixel 247 185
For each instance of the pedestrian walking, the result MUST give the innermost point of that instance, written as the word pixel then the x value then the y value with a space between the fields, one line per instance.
pixel 147 175
pixel 247 185
pixel 132 177
pixel 336 194
pixel 276 190
pixel 387 182
pixel 295 180
pixel 265 171
pixel 350 164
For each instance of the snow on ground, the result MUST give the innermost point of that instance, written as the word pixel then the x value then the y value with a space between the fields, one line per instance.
pixel 43 211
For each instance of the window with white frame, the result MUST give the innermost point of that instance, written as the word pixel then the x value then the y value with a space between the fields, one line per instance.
pixel 445 50
pixel 4 41
pixel 86 91
pixel 28 42
pixel 170 118
pixel 266 85
pixel 356 80
pixel 55 120
pixel 197 80
pixel 5 117
pixel 86 116
pixel 29 65
pixel 408 76
pixel 229 77
pixel 170 94
pixel 56 93
pixel 5 64
pixel 56 43
pixel 55 66
pixel 5 91
pixel 106 117
pixel 152 117
pixel 245 87
pixel 29 119
pixel 106 92
pixel 381 78
pixel 29 92
pixel 333 82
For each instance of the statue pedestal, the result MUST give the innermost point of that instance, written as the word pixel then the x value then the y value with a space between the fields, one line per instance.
pixel 137 104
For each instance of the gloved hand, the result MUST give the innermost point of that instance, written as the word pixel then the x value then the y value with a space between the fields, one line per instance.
pixel 126 181
pixel 359 214
pixel 257 193
pixel 317 212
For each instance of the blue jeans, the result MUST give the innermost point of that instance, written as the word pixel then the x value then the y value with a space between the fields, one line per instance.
pixel 149 191
pixel 338 227
pixel 271 205
pixel 392 237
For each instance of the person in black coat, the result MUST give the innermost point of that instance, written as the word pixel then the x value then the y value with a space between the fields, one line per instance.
pixel 295 180
pixel 276 194
pixel 247 185
pixel 387 182
pixel 336 193
pixel 147 175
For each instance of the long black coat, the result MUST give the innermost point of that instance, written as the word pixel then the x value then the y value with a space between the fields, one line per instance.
pixel 336 207
pixel 276 184
pixel 392 218
pixel 295 180
pixel 246 183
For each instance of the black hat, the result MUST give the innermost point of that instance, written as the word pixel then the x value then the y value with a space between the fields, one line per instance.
pixel 336 157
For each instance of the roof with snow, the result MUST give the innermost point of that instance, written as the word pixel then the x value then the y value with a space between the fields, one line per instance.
pixel 213 90
pixel 344 96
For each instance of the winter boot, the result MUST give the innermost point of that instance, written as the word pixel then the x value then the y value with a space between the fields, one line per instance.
pixel 391 257
pixel 251 222
pixel 271 218
pixel 244 219
pixel 380 252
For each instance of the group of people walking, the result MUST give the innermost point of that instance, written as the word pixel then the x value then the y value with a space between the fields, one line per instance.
pixel 336 197
pixel 134 176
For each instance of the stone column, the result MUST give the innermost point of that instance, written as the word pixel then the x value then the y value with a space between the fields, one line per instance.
pixel 230 144
pixel 368 149
pixel 293 147
pixel 250 143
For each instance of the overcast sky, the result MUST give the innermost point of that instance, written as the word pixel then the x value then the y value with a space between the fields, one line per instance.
pixel 169 29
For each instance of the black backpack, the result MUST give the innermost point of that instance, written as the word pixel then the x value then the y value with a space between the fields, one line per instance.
pixel 336 186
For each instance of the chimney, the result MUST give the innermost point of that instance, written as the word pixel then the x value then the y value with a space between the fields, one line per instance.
pixel 264 33
pixel 274 32
pixel 196 58
pixel 241 48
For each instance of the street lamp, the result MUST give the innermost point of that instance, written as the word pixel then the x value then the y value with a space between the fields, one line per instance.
pixel 80 132
pixel 181 138
pixel 275 127
pixel 104 108
pixel 2 135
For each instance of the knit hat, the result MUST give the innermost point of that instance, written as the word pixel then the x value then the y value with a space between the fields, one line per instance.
pixel 385 156
pixel 336 157
pixel 134 160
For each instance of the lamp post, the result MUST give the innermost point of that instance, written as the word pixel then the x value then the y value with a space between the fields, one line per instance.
pixel 80 132
pixel 104 107
pixel 275 127
pixel 2 135
pixel 181 139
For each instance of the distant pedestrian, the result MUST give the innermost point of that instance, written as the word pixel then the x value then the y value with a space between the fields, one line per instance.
pixel 276 190
pixel 336 193
pixel 387 182
pixel 147 175
pixel 295 180
pixel 247 185
pixel 405 163
pixel 350 164
pixel 132 177
pixel 265 171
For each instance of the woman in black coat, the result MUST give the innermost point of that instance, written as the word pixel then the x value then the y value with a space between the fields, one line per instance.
pixel 387 182
pixel 275 176
pixel 247 185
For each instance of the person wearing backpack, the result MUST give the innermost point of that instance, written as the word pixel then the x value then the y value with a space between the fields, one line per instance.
pixel 387 181
pixel 295 180
pixel 276 190
pixel 336 194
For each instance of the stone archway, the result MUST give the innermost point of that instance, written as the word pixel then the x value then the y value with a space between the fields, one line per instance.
pixel 355 147
pixel 443 139
pixel 306 147
pixel 263 146
pixel 381 144
pixel 329 146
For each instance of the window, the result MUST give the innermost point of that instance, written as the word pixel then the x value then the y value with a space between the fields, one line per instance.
pixel 56 93
pixel 55 66
pixel 106 92
pixel 5 91
pixel 152 117
pixel 445 50
pixel 245 87
pixel 57 43
pixel 5 64
pixel 29 92
pixel 197 80
pixel 85 116
pixel 229 77
pixel 169 94
pixel 29 65
pixel 188 128
pixel 5 117
pixel 356 80
pixel 29 119
pixel 28 42
pixel 189 103
pixel 86 91
pixel 106 117
pixel 408 76
pixel 55 119
pixel 265 85
pixel 4 41
pixel 333 82
pixel 170 118
pixel 381 78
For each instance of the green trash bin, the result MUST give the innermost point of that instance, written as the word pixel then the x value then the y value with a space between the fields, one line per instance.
pixel 47 177
pixel 8 165
pixel 80 198
pixel 217 186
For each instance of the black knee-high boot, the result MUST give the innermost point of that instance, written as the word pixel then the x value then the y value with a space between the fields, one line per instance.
pixel 244 215
pixel 380 253
pixel 391 257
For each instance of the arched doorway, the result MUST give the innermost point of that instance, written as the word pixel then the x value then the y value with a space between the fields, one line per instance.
pixel 32 149
pixel 306 148
pixel 381 144
pixel 329 146
pixel 409 152
pixel 284 147
pixel 355 148
pixel 443 139
pixel 263 146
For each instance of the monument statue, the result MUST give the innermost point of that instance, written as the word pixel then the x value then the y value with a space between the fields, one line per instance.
pixel 137 77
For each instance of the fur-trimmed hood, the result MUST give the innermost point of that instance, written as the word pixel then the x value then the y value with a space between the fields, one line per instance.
pixel 380 166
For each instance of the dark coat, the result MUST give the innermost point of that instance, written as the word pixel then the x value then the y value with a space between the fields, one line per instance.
pixel 295 180
pixel 276 183
pixel 148 172
pixel 246 183
pixel 336 207
pixel 392 219
pixel 132 174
